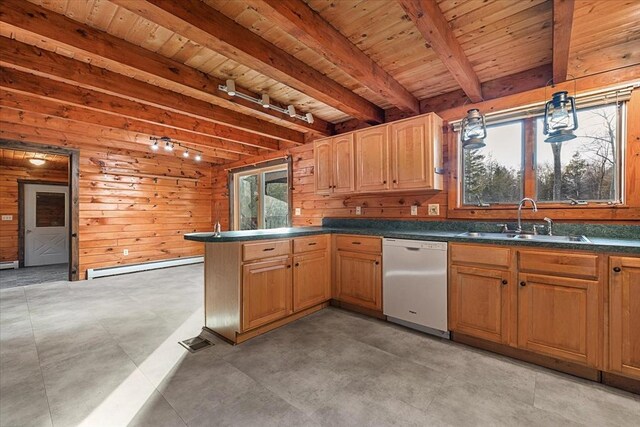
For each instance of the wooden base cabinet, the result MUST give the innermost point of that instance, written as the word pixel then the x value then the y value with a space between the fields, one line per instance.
pixel 266 292
pixel 359 279
pixel 559 317
pixel 478 302
pixel 624 316
pixel 311 279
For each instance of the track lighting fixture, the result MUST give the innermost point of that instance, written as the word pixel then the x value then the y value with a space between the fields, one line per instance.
pixel 230 89
pixel 169 146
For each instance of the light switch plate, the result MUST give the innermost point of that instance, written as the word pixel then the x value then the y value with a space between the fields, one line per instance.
pixel 414 210
pixel 358 210
pixel 434 209
pixel 298 211
pixel 7 217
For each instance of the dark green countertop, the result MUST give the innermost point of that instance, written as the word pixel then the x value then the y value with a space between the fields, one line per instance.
pixel 598 244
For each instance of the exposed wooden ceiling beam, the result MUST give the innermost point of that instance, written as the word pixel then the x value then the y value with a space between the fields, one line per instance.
pixel 19 81
pixel 303 23
pixel 81 116
pixel 127 58
pixel 11 129
pixel 202 24
pixel 562 26
pixel 51 65
pixel 435 29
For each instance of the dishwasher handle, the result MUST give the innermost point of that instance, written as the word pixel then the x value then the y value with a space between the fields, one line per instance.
pixel 411 249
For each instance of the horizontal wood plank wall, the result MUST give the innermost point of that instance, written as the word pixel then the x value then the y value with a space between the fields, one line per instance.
pixel 141 202
pixel 315 207
pixel 9 176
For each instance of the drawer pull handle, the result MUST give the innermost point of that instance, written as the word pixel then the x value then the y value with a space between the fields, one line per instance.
pixel 617 269
pixel 312 244
pixel 356 243
pixel 523 283
pixel 504 282
pixel 267 249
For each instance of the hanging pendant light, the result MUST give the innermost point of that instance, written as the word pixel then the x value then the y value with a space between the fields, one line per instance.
pixel 560 118
pixel 474 130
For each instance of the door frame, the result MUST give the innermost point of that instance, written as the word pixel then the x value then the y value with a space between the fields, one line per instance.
pixel 73 185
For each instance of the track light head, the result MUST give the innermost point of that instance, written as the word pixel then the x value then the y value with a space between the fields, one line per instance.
pixel 155 146
pixel 198 157
pixel 185 154
pixel 291 110
pixel 265 101
pixel 309 118
pixel 231 87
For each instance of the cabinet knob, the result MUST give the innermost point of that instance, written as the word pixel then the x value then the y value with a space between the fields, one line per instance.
pixel 504 282
pixel 377 262
pixel 297 264
pixel 289 266
pixel 395 181
pixel 617 269
pixel 384 182
pixel 523 283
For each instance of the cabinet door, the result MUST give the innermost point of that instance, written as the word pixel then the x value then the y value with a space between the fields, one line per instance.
pixel 372 159
pixel 624 316
pixel 266 292
pixel 558 316
pixel 359 279
pixel 478 301
pixel 323 168
pixel 412 154
pixel 343 164
pixel 311 283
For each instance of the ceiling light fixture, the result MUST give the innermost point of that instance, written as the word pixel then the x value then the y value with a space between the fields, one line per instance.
pixel 230 89
pixel 560 118
pixel 473 131
pixel 37 162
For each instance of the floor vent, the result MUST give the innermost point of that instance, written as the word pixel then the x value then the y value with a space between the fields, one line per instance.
pixel 196 344
pixel 94 273
pixel 9 264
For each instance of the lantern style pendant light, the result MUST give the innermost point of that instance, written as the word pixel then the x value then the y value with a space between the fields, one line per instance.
pixel 474 130
pixel 560 118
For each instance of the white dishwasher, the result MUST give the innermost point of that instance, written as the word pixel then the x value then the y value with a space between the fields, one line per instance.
pixel 414 284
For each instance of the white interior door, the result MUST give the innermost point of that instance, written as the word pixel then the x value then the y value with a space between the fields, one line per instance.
pixel 46 216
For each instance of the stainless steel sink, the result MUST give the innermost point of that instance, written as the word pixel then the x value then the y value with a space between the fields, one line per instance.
pixel 545 238
pixel 532 237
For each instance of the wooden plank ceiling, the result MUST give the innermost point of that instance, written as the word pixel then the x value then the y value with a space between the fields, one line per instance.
pixel 131 69
pixel 18 158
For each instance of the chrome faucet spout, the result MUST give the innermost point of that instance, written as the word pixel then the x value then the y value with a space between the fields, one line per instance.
pixel 534 206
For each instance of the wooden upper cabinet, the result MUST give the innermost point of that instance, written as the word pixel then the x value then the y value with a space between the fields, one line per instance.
pixel 624 316
pixel 334 165
pixel 479 302
pixel 266 292
pixel 323 166
pixel 416 154
pixel 559 317
pixel 372 159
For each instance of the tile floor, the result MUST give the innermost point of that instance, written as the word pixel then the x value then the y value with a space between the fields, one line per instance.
pixel 11 278
pixel 105 352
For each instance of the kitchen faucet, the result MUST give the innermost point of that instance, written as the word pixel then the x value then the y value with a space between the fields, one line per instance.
pixel 520 205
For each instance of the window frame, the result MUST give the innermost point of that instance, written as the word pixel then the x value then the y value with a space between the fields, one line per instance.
pixel 628 207
pixel 260 170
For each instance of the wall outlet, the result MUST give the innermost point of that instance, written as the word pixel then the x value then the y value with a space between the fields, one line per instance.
pixel 7 217
pixel 358 210
pixel 125 252
pixel 414 210
pixel 434 209
pixel 298 211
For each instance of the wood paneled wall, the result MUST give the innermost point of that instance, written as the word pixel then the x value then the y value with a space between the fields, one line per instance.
pixel 10 173
pixel 315 207
pixel 141 202
pixel 131 200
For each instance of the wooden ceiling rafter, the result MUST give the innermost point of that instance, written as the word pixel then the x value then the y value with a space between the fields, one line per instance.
pixel 52 109
pixel 562 27
pixel 204 25
pixel 300 21
pixel 24 17
pixel 435 29
pixel 237 140
pixel 48 64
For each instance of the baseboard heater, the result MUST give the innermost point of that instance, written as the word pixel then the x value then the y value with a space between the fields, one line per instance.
pixel 5 265
pixel 94 273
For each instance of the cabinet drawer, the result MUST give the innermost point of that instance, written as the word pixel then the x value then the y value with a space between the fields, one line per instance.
pixel 558 263
pixel 358 243
pixel 266 249
pixel 493 256
pixel 308 244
